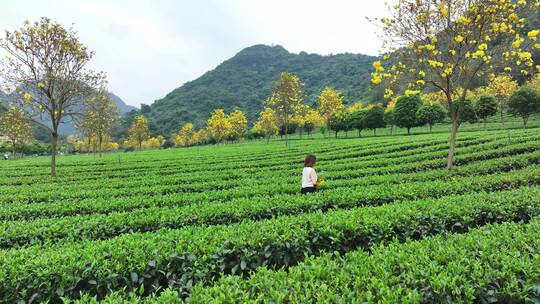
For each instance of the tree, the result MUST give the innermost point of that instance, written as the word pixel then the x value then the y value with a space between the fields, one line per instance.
pixel 99 116
pixel 374 118
pixel 300 118
pixel 356 119
pixel 287 95
pixel 185 136
pixel 267 123
pixel 389 115
pixel 90 144
pixel 154 142
pixel 46 70
pixel 14 124
pixel 337 121
pixel 501 87
pixel 449 44
pixel 534 82
pixel 467 112
pixel 238 122
pixel 430 114
pixel 330 102
pixel 218 125
pixel 139 131
pixel 312 120
pixel 524 102
pixel 485 107
pixel 405 112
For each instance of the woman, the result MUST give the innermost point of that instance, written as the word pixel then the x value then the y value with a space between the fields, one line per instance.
pixel 309 176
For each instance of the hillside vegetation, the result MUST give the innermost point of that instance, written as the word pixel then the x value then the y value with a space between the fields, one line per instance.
pixel 244 82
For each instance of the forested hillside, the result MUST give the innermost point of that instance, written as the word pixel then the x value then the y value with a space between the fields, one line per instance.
pixel 244 82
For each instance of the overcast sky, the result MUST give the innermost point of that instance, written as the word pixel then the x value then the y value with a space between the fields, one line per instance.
pixel 148 48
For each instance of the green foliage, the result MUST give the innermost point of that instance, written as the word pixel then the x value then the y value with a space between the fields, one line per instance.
pixel 497 264
pixel 338 122
pixel 245 80
pixel 486 106
pixel 524 102
pixel 467 112
pixel 430 114
pixel 356 120
pixel 405 112
pixel 374 118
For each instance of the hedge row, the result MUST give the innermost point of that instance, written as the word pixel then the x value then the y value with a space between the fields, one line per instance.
pixel 181 258
pixel 104 226
pixel 496 264
pixel 107 205
pixel 245 187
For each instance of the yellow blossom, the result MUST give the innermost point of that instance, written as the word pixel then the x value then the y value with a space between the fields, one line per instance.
pixel 459 38
pixel 378 66
pixel 533 34
pixel 411 92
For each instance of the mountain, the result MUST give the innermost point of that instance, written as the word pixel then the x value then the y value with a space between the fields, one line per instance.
pixel 123 108
pixel 244 82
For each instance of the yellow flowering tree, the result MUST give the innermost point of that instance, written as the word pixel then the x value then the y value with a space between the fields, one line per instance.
pixel 153 142
pixel 267 123
pixel 312 120
pixel 330 102
pixel 356 106
pixel 139 132
pixel 98 117
pixel 389 115
pixel 535 82
pixel 185 136
pixel 502 87
pixel 447 44
pixel 91 144
pixel 46 68
pixel 15 125
pixel 218 125
pixel 287 95
pixel 238 122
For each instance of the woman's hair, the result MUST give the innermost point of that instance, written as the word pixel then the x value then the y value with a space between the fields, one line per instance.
pixel 310 160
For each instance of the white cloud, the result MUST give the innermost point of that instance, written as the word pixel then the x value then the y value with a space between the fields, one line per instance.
pixel 148 48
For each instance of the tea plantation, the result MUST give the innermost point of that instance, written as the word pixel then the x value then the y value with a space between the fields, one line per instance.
pixel 227 223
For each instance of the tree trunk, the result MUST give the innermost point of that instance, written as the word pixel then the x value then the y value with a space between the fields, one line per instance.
pixel 336 134
pixel 525 119
pixel 374 132
pixel 54 145
pixel 99 145
pixel 485 124
pixel 13 147
pixel 452 148
pixel 408 131
pixel 502 117
pixel 430 128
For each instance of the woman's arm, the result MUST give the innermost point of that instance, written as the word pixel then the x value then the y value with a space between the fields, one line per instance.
pixel 313 176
